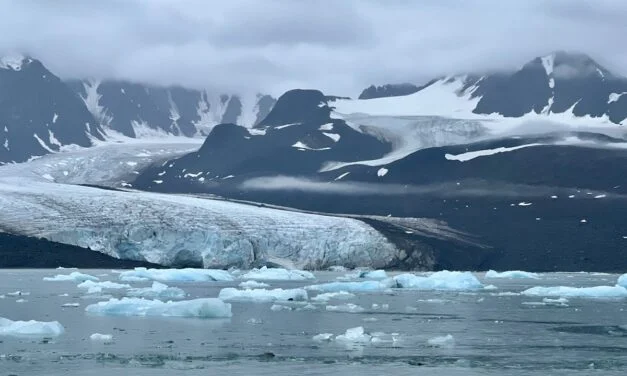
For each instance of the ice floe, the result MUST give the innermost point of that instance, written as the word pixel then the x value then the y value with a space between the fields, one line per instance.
pixel 443 280
pixel 253 285
pixel 278 274
pixel 97 287
pixel 325 297
pixel 578 292
pixel 18 293
pixel 70 305
pixel 622 280
pixel 348 308
pixel 104 338
pixel 158 290
pixel 74 277
pixel 374 274
pixel 176 275
pixel 323 337
pixel 203 308
pixel 512 274
pixel 262 295
pixel 446 341
pixel 364 286
pixel 354 335
pixel 30 328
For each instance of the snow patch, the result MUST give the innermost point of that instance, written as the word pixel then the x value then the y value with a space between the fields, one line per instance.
pixel 615 97
pixel 326 127
pixel 302 146
pixel 341 176
pixel 382 172
pixel 334 136
pixel 464 157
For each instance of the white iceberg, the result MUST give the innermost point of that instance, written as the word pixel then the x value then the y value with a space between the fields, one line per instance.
pixel 74 277
pixel 347 308
pixel 443 280
pixel 446 341
pixel 374 274
pixel 323 337
pixel 325 297
pixel 30 328
pixel 70 305
pixel 364 286
pixel 622 280
pixel 177 275
pixel 253 285
pixel 105 338
pixel 278 274
pixel 280 307
pixel 158 290
pixel 203 308
pixel 262 295
pixel 578 292
pixel 512 274
pixel 354 335
pixel 97 287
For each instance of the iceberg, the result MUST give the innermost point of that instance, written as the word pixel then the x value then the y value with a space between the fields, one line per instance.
pixel 253 285
pixel 70 305
pixel 325 297
pixel 365 286
pixel 323 337
pixel 578 292
pixel 354 335
pixel 447 341
pixel 30 328
pixel 177 275
pixel 622 280
pixel 157 291
pixel 18 293
pixel 278 274
pixel 347 308
pixel 262 295
pixel 443 280
pixel 202 308
pixel 374 274
pixel 512 274
pixel 97 287
pixel 105 338
pixel 74 277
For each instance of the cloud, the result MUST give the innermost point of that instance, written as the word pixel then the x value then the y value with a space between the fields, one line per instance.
pixel 275 45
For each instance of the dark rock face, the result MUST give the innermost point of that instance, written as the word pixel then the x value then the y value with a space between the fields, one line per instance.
pixel 39 113
pixel 389 90
pixel 18 251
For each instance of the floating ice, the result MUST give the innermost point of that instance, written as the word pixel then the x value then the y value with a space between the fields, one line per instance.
pixel 177 275
pixel 325 297
pixel 105 338
pixel 74 277
pixel 354 335
pixel 280 307
pixel 157 291
pixel 70 305
pixel 578 292
pixel 513 274
pixel 444 280
pixel 262 295
pixel 447 341
pixel 278 274
pixel 348 308
pixel 30 328
pixel 337 268
pixel 365 286
pixel 490 287
pixel 18 293
pixel 323 337
pixel 374 274
pixel 203 308
pixel 622 280
pixel 383 306
pixel 97 287
pixel 253 285
pixel 21 301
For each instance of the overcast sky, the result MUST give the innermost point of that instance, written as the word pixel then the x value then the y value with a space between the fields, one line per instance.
pixel 338 46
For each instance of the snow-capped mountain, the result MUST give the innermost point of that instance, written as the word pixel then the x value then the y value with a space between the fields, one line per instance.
pixel 39 114
pixel 138 110
pixel 559 83
pixel 389 90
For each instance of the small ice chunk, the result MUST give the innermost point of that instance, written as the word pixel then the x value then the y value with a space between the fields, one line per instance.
pixel 325 297
pixel 18 293
pixel 74 277
pixel 365 286
pixel 158 290
pixel 382 172
pixel 97 287
pixel 30 328
pixel 383 306
pixel 348 308
pixel 262 295
pixel 374 274
pixel 524 203
pixel 512 274
pixel 104 338
pixel 354 335
pixel 446 341
pixel 280 307
pixel 70 305
pixel 177 275
pixel 204 308
pixel 562 302
pixel 622 280
pixel 337 268
pixel 253 285
pixel 490 287
pixel 323 337
pixel 278 274
pixel 578 292
pixel 443 280
pixel 21 301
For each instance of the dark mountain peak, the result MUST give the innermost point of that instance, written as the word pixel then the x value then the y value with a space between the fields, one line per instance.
pixel 388 90
pixel 14 61
pixel 565 65
pixel 298 105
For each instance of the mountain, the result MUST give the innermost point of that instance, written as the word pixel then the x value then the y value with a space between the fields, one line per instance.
pixel 559 83
pixel 389 90
pixel 39 114
pixel 138 110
